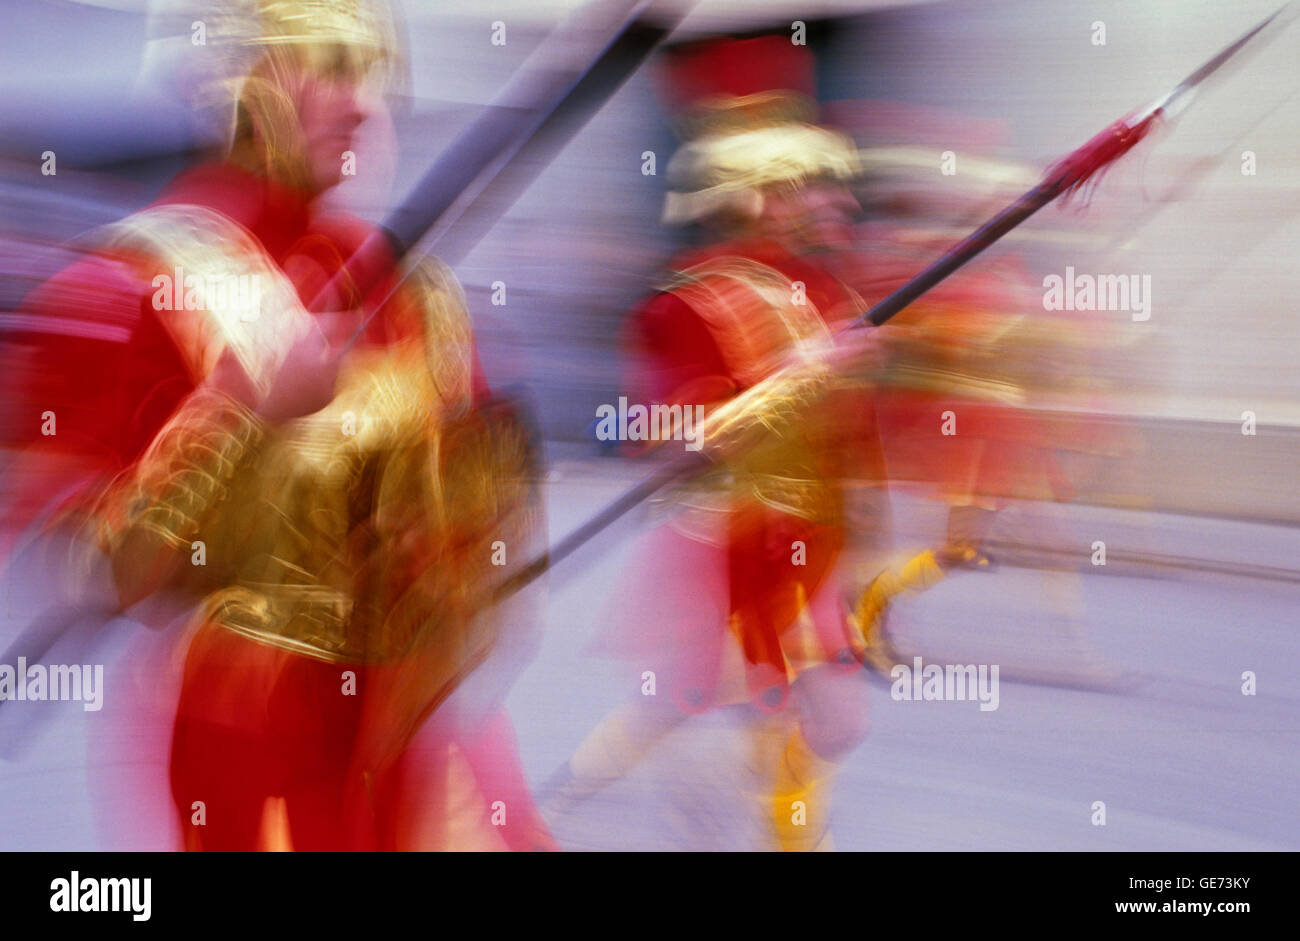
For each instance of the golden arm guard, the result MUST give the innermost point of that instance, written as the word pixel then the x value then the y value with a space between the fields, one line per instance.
pixel 768 443
pixel 154 513
pixel 774 410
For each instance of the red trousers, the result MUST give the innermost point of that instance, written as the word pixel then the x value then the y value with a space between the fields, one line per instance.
pixel 266 738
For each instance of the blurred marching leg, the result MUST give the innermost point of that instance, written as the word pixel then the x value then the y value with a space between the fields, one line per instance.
pixel 609 752
pixel 968 528
pixel 493 754
pixel 797 783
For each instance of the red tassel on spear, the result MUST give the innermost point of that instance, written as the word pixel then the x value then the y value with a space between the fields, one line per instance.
pixel 1065 177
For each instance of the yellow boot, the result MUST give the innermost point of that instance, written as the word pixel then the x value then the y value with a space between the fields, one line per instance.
pixel 800 800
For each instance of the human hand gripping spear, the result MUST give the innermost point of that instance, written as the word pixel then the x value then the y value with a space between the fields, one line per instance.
pixel 747 418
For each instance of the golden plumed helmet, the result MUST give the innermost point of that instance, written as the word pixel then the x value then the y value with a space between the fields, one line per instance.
pixel 746 108
pixel 728 170
pixel 234 61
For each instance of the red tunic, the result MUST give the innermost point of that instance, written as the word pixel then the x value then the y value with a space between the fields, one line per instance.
pixel 253 723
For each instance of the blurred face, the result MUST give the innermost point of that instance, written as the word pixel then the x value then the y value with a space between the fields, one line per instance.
pixel 330 107
pixel 816 217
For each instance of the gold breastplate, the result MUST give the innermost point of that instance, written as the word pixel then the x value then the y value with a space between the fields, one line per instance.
pixel 760 320
pixel 366 530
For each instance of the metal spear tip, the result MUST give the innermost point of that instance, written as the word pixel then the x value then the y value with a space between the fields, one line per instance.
pixel 1173 103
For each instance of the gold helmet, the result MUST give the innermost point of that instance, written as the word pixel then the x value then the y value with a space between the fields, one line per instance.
pixel 728 170
pixel 747 111
pixel 233 61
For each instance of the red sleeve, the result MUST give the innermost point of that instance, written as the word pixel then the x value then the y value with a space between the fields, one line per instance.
pixel 92 352
pixel 671 348
pixel 89 375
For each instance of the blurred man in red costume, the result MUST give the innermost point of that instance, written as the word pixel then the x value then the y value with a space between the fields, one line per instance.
pixel 195 427
pixel 734 598
pixel 970 361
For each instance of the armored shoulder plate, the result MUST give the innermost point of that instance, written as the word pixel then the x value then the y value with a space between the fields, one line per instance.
pixel 214 287
pixel 758 317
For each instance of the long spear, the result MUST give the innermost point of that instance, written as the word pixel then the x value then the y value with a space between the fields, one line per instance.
pixel 473 182
pixel 1064 176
